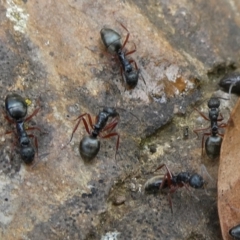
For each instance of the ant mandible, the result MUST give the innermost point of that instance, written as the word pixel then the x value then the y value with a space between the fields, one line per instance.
pixel 112 41
pixel 16 109
pixel 214 140
pixel 173 182
pixel 89 146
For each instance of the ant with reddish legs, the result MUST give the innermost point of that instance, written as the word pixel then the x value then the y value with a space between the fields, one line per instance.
pixel 214 140
pixel 112 41
pixel 16 108
pixel 89 146
pixel 173 182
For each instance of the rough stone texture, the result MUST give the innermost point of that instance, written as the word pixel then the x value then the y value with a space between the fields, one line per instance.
pixel 51 51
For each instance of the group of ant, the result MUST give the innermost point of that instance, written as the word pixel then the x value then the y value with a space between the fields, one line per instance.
pixel 89 146
pixel 16 107
pixel 212 148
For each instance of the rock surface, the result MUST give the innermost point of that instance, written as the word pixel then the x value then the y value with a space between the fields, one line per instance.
pixel 51 53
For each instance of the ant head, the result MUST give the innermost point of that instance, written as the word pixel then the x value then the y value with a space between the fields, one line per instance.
pixel 235 231
pixel 196 181
pixel 111 111
pixel 27 154
pixel 131 78
pixel 213 103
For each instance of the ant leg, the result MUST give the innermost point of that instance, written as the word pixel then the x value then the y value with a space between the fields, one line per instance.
pixel 189 190
pixel 165 178
pixel 200 130
pixel 206 118
pixel 8 119
pixel 135 64
pixel 128 34
pixel 32 115
pixel 171 191
pixel 6 116
pixel 159 167
pixel 123 79
pixel 205 134
pixel 168 175
pixel 126 40
pixel 8 132
pixel 222 125
pixel 123 26
pixel 35 142
pixel 132 51
pixel 79 118
pixel 111 125
pixel 112 135
pixel 220 117
pixel 86 124
pixel 35 128
pixel 170 202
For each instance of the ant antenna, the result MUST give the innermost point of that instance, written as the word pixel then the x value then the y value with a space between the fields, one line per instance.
pixel 230 89
pixel 123 109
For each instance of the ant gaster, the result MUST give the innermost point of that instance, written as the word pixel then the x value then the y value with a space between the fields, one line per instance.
pixel 16 109
pixel 173 182
pixel 214 140
pixel 112 41
pixel 89 146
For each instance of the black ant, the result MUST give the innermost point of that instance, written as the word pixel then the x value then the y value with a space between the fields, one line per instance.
pixel 214 140
pixel 231 82
pixel 235 232
pixel 173 182
pixel 186 133
pixel 16 108
pixel 112 41
pixel 89 146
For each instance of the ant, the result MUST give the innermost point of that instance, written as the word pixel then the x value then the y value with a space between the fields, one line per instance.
pixel 186 133
pixel 231 82
pixel 16 108
pixel 235 232
pixel 173 182
pixel 89 146
pixel 112 41
pixel 214 140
